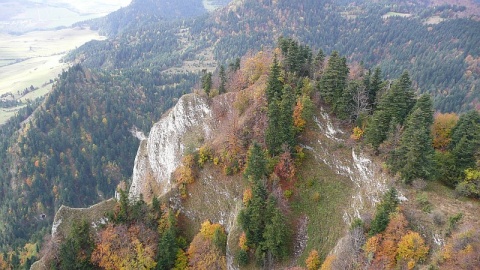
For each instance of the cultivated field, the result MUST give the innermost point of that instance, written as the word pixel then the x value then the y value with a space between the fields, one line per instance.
pixel 33 59
pixel 392 14
pixel 30 59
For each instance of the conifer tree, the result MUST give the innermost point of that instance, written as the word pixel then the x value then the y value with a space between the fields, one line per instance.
pixel 346 103
pixel 374 87
pixel 402 98
pixel 207 83
pixel 413 158
pixel 318 64
pixel 255 168
pixel 276 231
pixel 76 249
pixel 252 218
pixel 393 108
pixel 272 138
pixel 223 80
pixel 387 206
pixel 376 131
pixel 286 127
pixel 167 250
pixel 465 143
pixel 274 85
pixel 334 79
pixel 168 246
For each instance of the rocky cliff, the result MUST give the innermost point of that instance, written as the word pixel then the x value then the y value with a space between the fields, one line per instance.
pixel 182 129
pixel 196 120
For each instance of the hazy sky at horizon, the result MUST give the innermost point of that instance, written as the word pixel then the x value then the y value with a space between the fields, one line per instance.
pixel 27 15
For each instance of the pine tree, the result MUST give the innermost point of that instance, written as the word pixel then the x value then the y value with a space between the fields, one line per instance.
pixel 465 143
pixel 168 245
pixel 252 218
pixel 346 102
pixel 376 131
pixel 223 80
pixel 167 250
pixel 77 248
pixel 392 109
pixel 207 83
pixel 333 81
pixel 274 85
pixel 374 87
pixel 387 206
pixel 413 158
pixel 318 64
pixel 286 127
pixel 272 138
pixel 402 98
pixel 276 232
pixel 255 168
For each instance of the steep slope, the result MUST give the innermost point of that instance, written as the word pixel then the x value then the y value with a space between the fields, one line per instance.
pixel 181 130
pixel 335 182
pixel 67 152
pixel 352 176
pixel 365 32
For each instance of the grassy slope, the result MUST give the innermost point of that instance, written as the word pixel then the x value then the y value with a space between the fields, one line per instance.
pixel 321 196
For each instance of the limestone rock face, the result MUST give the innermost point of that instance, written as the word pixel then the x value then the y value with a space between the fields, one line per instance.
pixel 180 130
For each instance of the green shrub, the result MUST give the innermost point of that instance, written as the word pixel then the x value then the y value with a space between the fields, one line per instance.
pixel 287 193
pixel 422 200
pixel 242 257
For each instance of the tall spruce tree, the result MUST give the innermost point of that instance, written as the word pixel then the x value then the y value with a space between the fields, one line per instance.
pixel 465 143
pixel 317 67
pixel 77 248
pixel 334 79
pixel 272 138
pixel 402 98
pixel 207 83
pixel 374 87
pixel 168 245
pixel 413 158
pixel 223 80
pixel 274 85
pixel 276 232
pixel 393 108
pixel 256 167
pixel 252 217
pixel 286 127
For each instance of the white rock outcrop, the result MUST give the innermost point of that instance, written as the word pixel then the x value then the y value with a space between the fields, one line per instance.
pixel 185 126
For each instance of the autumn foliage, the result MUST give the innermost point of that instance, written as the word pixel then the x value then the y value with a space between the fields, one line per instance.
pixel 462 251
pixel 122 247
pixel 328 263
pixel 411 249
pixel 285 168
pixel 313 260
pixel 203 253
pixel 442 129
pixel 396 246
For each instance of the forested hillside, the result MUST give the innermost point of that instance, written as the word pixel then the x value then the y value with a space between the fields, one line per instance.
pixel 270 164
pixel 437 47
pixel 77 146
pixel 367 64
pixel 147 12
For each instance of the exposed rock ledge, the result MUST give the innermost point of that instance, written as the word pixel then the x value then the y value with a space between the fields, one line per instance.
pixel 184 128
pixel 66 216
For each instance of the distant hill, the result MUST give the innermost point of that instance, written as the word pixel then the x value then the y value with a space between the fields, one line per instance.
pixel 436 43
pixel 141 12
pixel 26 15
